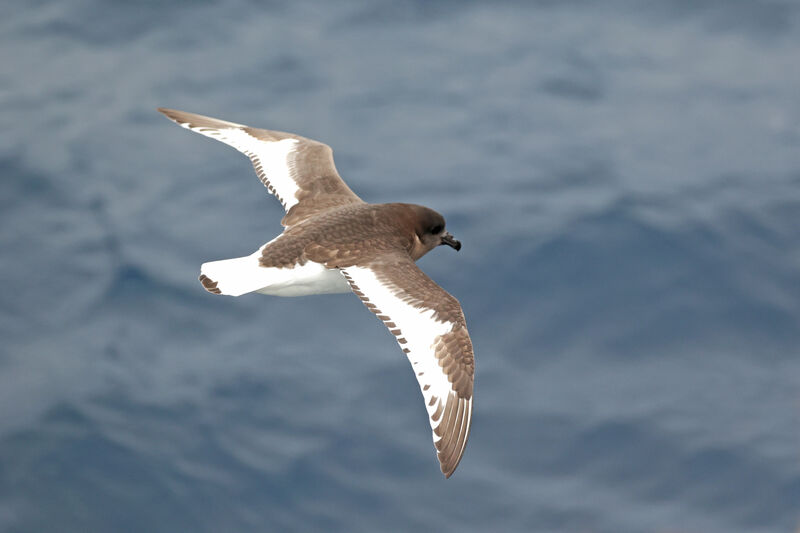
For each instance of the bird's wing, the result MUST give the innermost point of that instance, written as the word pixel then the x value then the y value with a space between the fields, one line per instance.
pixel 300 172
pixel 429 326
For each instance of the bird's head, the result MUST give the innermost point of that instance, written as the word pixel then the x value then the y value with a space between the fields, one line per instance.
pixel 430 232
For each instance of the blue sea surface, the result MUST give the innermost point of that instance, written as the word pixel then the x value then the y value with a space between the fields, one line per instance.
pixel 625 180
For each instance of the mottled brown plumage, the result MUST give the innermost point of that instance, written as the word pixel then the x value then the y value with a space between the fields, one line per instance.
pixel 332 234
pixel 320 186
pixel 352 234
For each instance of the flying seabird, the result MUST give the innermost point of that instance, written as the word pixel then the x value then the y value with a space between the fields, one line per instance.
pixel 334 242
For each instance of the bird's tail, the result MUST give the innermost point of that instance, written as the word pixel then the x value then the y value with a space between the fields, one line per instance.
pixel 236 276
pixel 242 275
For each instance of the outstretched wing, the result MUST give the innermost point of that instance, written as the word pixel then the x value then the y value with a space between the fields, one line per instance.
pixel 300 172
pixel 430 328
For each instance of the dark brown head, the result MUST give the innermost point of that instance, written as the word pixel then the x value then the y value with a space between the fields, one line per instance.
pixel 430 232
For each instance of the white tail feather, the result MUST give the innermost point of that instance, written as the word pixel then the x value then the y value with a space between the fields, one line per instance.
pixel 237 276
pixel 242 275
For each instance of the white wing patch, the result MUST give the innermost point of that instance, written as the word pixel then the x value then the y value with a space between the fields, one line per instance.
pixel 271 159
pixel 416 331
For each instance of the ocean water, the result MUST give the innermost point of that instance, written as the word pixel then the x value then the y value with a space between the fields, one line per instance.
pixel 625 179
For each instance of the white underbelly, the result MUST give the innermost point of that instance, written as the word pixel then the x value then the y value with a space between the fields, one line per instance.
pixel 311 278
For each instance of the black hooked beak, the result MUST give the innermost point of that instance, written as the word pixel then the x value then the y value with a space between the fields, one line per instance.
pixel 449 240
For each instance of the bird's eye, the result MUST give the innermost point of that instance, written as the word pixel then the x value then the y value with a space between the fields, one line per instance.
pixel 437 229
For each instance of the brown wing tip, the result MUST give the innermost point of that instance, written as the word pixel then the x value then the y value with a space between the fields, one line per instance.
pixel 169 113
pixel 454 431
pixel 195 120
pixel 209 284
pixel 448 465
